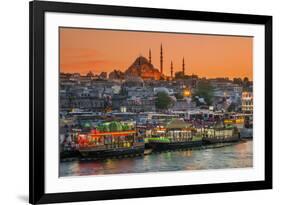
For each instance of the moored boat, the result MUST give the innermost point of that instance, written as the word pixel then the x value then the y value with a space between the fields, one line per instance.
pixel 220 134
pixel 177 135
pixel 121 140
pixel 246 133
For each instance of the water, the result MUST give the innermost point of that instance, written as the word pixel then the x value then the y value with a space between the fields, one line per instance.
pixel 232 156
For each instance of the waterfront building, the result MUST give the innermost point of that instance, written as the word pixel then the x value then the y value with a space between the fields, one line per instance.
pixel 116 75
pixel 226 95
pixel 247 101
pixel 226 89
pixel 139 92
pixel 183 105
pixel 119 101
pixel 138 105
pixel 75 76
pixel 82 102
pixel 237 119
pixel 133 81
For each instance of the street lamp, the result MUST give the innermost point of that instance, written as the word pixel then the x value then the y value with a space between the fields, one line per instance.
pixel 186 92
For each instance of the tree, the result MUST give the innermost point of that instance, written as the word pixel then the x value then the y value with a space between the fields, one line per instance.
pixel 204 90
pixel 237 81
pixel 246 80
pixel 163 101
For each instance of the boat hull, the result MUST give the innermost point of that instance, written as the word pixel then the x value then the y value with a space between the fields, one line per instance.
pixel 162 146
pixel 112 153
pixel 69 154
pixel 207 140
pixel 246 133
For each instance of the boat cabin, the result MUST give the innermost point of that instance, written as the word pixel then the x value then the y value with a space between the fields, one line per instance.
pixel 178 130
pixel 110 136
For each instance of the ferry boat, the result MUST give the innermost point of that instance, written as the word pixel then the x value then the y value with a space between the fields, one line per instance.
pixel 244 123
pixel 177 134
pixel 111 139
pixel 220 134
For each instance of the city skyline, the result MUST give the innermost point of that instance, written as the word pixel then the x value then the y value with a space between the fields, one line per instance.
pixel 211 56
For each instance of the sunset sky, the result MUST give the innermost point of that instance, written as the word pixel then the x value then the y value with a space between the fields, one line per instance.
pixel 84 50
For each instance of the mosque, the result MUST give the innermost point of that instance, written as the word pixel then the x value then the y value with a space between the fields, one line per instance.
pixel 143 68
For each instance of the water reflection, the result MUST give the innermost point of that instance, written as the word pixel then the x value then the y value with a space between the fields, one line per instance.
pixel 234 156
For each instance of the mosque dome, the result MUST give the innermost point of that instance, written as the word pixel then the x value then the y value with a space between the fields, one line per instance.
pixel 144 69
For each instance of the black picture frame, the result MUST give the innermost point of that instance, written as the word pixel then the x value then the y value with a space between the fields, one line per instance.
pixel 37 11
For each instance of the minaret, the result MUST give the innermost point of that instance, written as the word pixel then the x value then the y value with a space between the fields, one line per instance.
pixel 161 59
pixel 183 67
pixel 172 70
pixel 149 56
pixel 140 60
